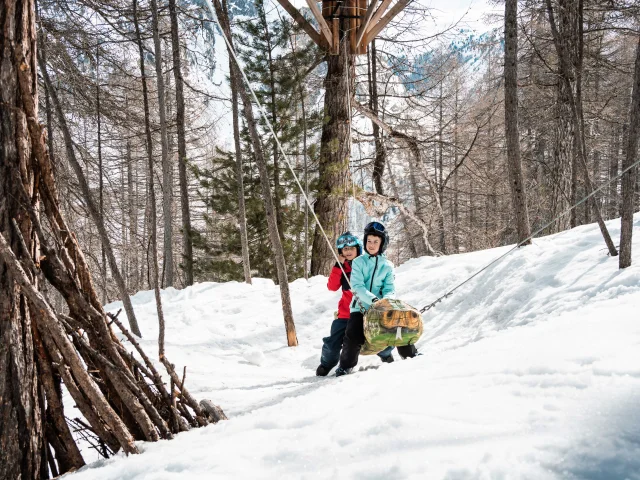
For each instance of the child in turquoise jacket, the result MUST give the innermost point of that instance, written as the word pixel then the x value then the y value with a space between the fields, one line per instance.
pixel 349 248
pixel 372 278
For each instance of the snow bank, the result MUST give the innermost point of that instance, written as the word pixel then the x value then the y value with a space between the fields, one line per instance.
pixel 532 370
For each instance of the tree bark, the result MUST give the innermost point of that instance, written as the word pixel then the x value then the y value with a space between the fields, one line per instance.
pixel 514 164
pixel 187 244
pixel 274 236
pixel 334 177
pixel 21 414
pixel 629 178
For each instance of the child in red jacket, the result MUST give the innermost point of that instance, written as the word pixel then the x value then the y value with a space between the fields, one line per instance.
pixel 349 247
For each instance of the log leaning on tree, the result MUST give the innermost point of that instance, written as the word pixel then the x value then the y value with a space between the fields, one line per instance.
pixel 57 341
pixel 214 411
pixel 95 408
pixel 41 350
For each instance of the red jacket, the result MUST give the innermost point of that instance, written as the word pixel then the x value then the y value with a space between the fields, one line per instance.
pixel 337 280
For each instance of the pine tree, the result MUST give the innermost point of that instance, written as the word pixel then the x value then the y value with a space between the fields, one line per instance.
pixel 269 60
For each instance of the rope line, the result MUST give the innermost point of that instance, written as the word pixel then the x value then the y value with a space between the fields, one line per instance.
pixel 348 81
pixel 450 292
pixel 284 155
pixel 286 158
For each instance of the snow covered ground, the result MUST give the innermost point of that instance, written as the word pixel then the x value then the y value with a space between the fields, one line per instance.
pixel 530 371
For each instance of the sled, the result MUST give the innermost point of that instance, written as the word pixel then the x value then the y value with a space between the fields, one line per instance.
pixel 390 322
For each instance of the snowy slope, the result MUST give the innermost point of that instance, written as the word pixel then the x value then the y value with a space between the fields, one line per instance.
pixel 530 371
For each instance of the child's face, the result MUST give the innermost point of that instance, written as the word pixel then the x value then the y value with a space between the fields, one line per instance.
pixel 349 253
pixel 373 244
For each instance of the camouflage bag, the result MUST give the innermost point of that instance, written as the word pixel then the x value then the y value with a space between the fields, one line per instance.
pixel 390 322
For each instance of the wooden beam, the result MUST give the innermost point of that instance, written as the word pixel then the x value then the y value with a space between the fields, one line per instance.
pixel 377 28
pixel 365 22
pixel 300 20
pixel 353 48
pixel 335 48
pixel 383 8
pixel 362 10
pixel 324 28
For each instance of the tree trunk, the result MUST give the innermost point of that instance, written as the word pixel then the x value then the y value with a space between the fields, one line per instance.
pixel 21 414
pixel 514 164
pixel 380 159
pixel 438 173
pixel 305 257
pixel 133 223
pixel 566 75
pixel 103 264
pixel 274 124
pixel 579 55
pixel 242 215
pixel 153 229
pixel 93 209
pixel 305 159
pixel 124 244
pixel 629 178
pixel 261 162
pixel 612 171
pixel 334 178
pixel 455 212
pixel 187 244
pixel 562 163
pixel 167 199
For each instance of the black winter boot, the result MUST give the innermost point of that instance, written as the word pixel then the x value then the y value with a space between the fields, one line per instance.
pixel 322 371
pixel 342 371
pixel 388 359
pixel 408 351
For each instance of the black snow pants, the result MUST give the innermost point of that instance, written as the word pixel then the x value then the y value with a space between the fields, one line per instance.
pixel 354 339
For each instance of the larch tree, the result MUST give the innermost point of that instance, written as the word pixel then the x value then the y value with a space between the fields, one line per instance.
pixel 629 179
pixel 187 243
pixel 334 176
pixel 514 164
pixel 167 186
pixel 274 236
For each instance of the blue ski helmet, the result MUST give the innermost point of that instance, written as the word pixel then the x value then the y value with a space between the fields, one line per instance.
pixel 379 230
pixel 348 239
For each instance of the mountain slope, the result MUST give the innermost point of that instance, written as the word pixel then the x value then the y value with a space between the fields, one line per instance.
pixel 531 370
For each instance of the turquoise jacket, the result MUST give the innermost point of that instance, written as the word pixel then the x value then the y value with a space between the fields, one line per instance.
pixel 371 276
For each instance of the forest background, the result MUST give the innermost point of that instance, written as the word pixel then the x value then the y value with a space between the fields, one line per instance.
pixel 440 84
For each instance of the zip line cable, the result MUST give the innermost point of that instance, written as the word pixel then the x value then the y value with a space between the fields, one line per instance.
pixel 450 292
pixel 286 158
pixel 284 155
